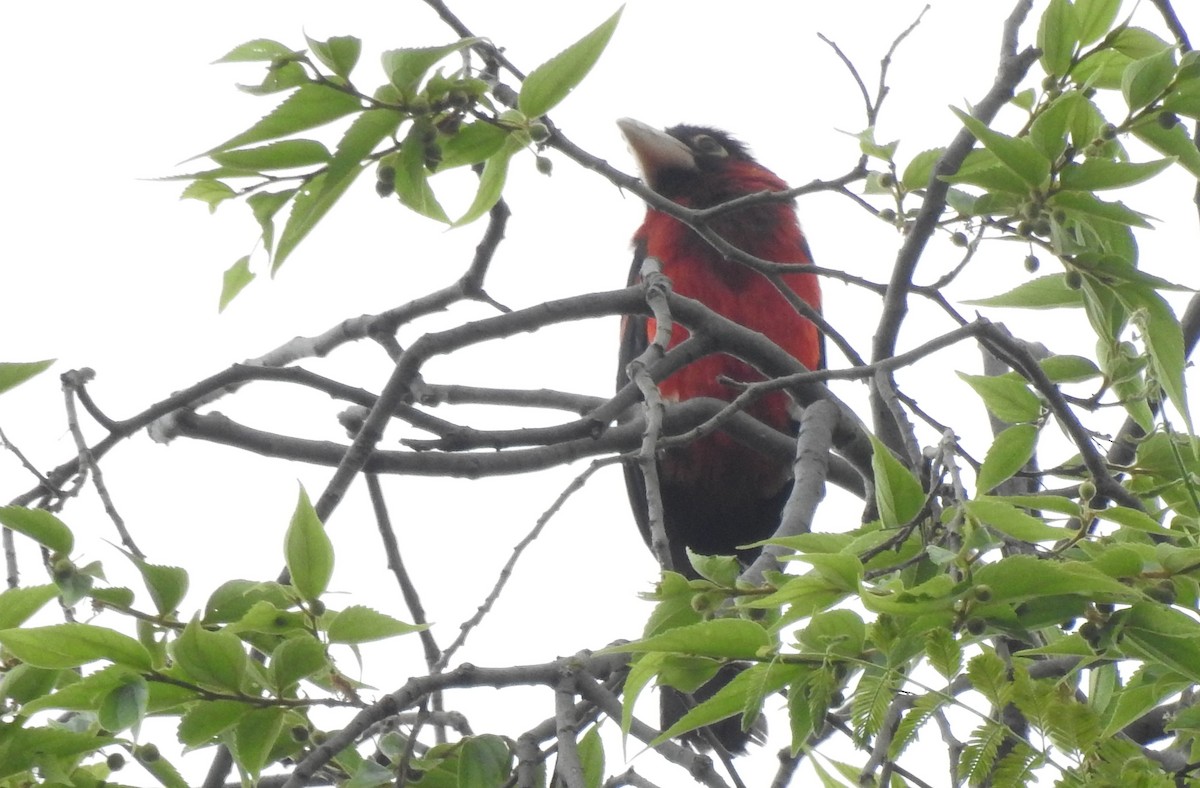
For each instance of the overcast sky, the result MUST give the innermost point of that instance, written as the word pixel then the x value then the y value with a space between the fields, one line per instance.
pixel 103 267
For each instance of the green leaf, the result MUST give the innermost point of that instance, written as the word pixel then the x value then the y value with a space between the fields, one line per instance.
pixel 549 83
pixel 1085 203
pixel 984 169
pixel 1164 341
pixel 473 143
pixel 1145 80
pixel 898 493
pixel 1009 453
pixel 920 169
pixel 18 604
pixel 72 645
pixel 295 659
pixel 339 54
pixel 1132 518
pixel 758 681
pixel 1175 141
pixel 836 633
pixel 1046 292
pixel 204 721
pixel 281 155
pixel 1016 153
pixel 1048 131
pixel 268 619
pixel 41 747
pixel 1184 99
pixel 591 754
pixel 1069 369
pixel 407 67
pixel 720 569
pixel 944 653
pixel 313 201
pixel 1010 520
pixel 215 659
pixel 265 205
pixel 484 760
pixel 359 624
pixel 210 192
pixel 734 638
pixel 14 373
pixel 308 551
pixel 491 183
pixel 166 584
pixel 412 180
pixel 1008 398
pixel 125 705
pixel 310 106
pixel 260 49
pixel 1020 578
pixel 40 526
pixel 255 735
pixel 1097 174
pixel 1095 18
pixel 1057 36
pixel 1162 636
pixel 235 279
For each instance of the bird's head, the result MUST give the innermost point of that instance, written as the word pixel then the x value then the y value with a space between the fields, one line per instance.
pixel 696 165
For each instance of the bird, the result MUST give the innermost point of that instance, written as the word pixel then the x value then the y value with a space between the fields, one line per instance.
pixel 718 495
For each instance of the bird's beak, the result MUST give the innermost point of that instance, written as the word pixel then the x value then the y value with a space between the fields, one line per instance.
pixel 655 150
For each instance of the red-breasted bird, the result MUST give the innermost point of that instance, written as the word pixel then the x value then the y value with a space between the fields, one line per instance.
pixel 717 493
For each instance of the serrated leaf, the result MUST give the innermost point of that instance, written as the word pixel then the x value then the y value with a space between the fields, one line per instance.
pixel 14 373
pixel 339 54
pixel 549 83
pixel 471 144
pixel 732 638
pixel 166 584
pixel 40 526
pixel 254 736
pixel 407 67
pixel 1016 153
pixel 920 169
pixel 1046 292
pixel 1095 18
pixel 412 179
pixel 1020 578
pixel 265 205
pixel 491 183
pixel 125 705
pixel 838 633
pixel 1133 518
pixel 898 493
pixel 18 604
pixel 215 659
pixel 1145 79
pixel 1175 141
pixel 1085 203
pixel 297 658
pixel 484 760
pixel 281 155
pixel 1010 520
pixel 1009 453
pixel 312 202
pixel 1162 636
pixel 1098 174
pixel 1057 36
pixel 360 624
pixel 1008 398
pixel 760 680
pixel 1048 131
pixel 208 191
pixel 260 49
pixel 310 106
pixel 72 645
pixel 234 280
pixel 944 653
pixel 204 721
pixel 308 551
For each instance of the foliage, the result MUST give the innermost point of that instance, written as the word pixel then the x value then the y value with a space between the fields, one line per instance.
pixel 1051 604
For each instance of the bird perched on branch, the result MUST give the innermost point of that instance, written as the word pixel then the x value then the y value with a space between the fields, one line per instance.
pixel 718 494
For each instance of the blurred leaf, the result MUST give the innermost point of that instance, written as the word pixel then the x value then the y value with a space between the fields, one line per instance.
pixel 407 67
pixel 310 106
pixel 297 658
pixel 1162 636
pixel 72 645
pixel 1010 520
pixel 254 736
pixel 14 373
pixel 920 169
pixel 1164 340
pixel 1009 453
pixel 1095 174
pixel 549 83
pixel 898 493
pixel 259 49
pixel 1145 79
pixel 281 155
pixel 208 191
pixel 1175 141
pixel 1085 203
pixel 734 638
pixel 40 526
pixel 761 679
pixel 216 659
pixel 1069 369
pixel 1008 398
pixel 18 604
pixel 205 721
pixel 1046 292
pixel 1184 99
pixel 1048 131
pixel 339 54
pixel 484 760
pixel 412 179
pixel 836 633
pixel 360 624
pixel 1095 18
pixel 1057 36
pixel 308 551
pixel 235 279
pixel 125 705
pixel 1016 153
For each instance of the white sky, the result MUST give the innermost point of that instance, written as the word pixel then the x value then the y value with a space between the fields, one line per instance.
pixel 103 268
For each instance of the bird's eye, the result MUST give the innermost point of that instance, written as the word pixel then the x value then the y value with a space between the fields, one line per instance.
pixel 706 145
